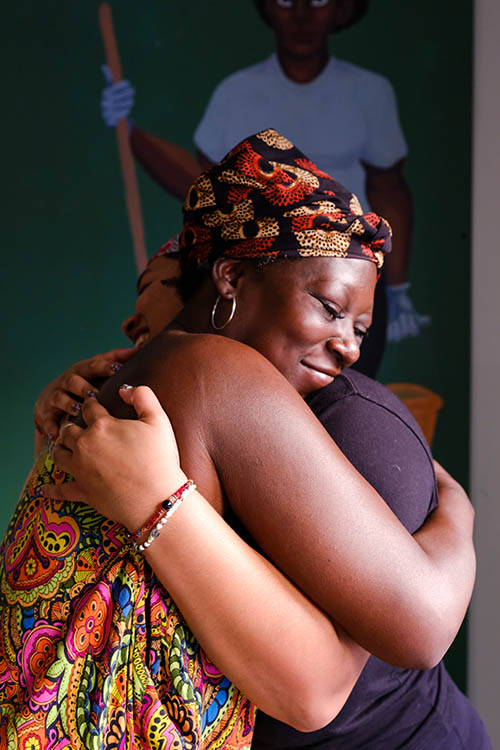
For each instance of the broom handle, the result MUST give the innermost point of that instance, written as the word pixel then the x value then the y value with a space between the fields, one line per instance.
pixel 129 176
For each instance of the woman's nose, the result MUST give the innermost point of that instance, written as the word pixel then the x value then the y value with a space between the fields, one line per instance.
pixel 129 324
pixel 346 346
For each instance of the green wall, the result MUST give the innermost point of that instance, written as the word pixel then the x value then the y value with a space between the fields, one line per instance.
pixel 68 276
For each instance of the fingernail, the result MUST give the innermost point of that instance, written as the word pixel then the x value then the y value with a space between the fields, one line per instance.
pixel 126 387
pixel 76 408
pixel 92 394
pixel 116 366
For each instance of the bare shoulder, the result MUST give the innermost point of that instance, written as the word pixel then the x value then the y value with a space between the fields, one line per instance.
pixel 204 369
pixel 211 363
pixel 225 389
pixel 210 350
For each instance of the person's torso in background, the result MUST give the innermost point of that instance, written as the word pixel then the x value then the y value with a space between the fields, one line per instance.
pixel 343 117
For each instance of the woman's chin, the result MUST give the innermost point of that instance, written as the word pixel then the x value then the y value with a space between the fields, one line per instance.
pixel 309 380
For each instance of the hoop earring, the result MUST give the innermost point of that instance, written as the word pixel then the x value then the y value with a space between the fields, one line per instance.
pixel 231 314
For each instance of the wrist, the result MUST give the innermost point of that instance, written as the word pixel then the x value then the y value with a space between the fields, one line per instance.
pixel 150 512
pixel 144 536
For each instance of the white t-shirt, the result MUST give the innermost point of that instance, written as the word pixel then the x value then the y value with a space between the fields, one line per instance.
pixel 345 116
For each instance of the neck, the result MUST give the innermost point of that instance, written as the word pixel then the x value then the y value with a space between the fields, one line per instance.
pixel 195 316
pixel 303 69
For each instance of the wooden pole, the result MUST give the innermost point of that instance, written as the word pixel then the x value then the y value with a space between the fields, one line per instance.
pixel 129 176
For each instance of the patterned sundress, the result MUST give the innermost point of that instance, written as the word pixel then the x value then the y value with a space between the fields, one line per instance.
pixel 94 653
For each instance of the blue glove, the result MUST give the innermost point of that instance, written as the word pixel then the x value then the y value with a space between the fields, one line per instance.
pixel 402 318
pixel 117 99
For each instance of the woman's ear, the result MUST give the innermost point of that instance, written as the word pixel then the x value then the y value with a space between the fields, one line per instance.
pixel 226 275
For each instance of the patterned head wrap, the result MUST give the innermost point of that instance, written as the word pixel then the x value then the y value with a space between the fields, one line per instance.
pixel 169 249
pixel 267 200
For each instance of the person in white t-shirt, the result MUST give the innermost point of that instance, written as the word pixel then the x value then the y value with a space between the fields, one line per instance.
pixel 344 116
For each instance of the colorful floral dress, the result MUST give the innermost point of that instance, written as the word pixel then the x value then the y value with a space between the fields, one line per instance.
pixel 93 652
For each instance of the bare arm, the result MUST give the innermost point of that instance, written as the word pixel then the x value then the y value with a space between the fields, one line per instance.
pixel 400 598
pixel 343 546
pixel 171 166
pixel 254 624
pixel 389 195
pixel 452 522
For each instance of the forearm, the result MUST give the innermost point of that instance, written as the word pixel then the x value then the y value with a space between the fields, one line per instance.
pixel 306 506
pixel 171 166
pixel 402 598
pixel 425 609
pixel 393 201
pixel 446 538
pixel 427 621
pixel 253 623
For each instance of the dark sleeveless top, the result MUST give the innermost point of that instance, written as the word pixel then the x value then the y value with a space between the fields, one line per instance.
pixel 389 708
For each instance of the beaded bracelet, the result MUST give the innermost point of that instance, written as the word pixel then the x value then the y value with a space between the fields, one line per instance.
pixel 166 504
pixel 168 507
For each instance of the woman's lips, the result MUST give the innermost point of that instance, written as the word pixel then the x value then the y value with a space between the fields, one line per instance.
pixel 322 372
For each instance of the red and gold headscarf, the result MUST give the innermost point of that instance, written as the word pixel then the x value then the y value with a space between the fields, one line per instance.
pixel 266 199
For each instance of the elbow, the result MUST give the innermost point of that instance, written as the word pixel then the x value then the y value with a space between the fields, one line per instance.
pixel 427 643
pixel 423 629
pixel 413 652
pixel 423 658
pixel 416 648
pixel 324 689
pixel 436 632
pixel 428 655
pixel 316 701
pixel 316 689
pixel 314 713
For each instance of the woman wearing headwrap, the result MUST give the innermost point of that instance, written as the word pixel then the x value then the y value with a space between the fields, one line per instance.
pixel 233 418
pixel 357 138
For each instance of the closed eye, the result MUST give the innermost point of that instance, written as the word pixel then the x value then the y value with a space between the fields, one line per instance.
pixel 360 334
pixel 332 312
pixel 144 287
pixel 329 309
pixel 165 282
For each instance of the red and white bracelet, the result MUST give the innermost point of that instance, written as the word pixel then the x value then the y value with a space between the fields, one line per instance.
pixel 158 520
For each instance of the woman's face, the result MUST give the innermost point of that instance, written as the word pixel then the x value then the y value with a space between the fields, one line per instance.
pixel 157 301
pixel 307 316
pixel 302 27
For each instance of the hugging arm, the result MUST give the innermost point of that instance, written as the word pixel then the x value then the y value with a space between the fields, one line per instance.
pixel 253 623
pixel 63 396
pixel 401 597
